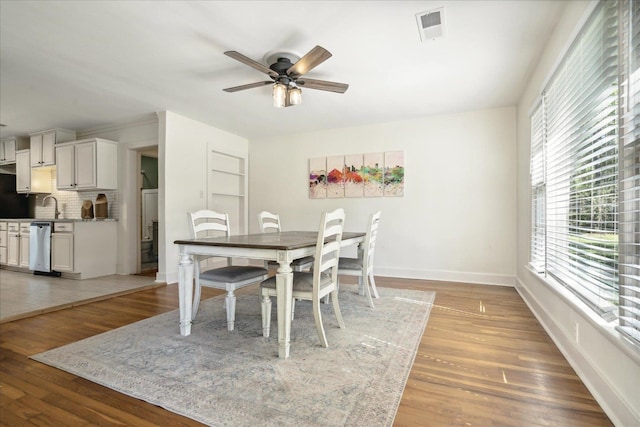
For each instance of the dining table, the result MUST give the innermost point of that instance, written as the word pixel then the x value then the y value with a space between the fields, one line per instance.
pixel 282 247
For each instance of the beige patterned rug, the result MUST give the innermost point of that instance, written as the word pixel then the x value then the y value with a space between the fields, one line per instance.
pixel 223 378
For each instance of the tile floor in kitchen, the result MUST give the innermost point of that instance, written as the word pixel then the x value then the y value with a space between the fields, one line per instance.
pixel 25 294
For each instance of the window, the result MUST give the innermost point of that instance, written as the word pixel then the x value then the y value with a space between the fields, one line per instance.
pixel 538 190
pixel 629 184
pixel 585 168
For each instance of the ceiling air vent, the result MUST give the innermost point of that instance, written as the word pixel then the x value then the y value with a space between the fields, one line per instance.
pixel 431 24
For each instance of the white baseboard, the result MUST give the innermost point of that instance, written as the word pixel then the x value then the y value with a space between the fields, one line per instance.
pixel 601 389
pixel 168 278
pixel 448 276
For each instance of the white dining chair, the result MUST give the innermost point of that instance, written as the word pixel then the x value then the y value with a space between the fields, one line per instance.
pixel 314 285
pixel 208 223
pixel 270 223
pixel 362 266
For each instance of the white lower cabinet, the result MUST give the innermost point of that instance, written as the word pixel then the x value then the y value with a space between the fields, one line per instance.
pixel 13 244
pixel 3 243
pixel 24 244
pixel 17 244
pixel 62 247
pixel 84 249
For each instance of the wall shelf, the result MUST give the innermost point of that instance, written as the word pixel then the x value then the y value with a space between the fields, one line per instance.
pixel 227 187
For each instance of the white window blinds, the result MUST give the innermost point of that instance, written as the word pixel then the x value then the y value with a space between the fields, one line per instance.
pixel 582 164
pixel 629 185
pixel 537 189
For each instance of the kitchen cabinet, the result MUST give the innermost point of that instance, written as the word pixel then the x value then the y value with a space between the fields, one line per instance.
pixel 23 260
pixel 17 245
pixel 62 247
pixel 43 145
pixel 3 243
pixel 90 164
pixel 13 244
pixel 31 180
pixel 84 249
pixel 8 148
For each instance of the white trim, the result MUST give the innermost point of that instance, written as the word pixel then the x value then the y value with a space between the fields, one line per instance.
pixel 571 39
pixel 535 105
pixel 168 278
pixel 448 276
pixel 140 121
pixel 605 394
pixel 607 329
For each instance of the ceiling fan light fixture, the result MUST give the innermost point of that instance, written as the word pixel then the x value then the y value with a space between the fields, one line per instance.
pixel 295 96
pixel 279 95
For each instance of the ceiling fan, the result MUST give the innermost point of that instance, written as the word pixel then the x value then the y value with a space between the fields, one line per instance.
pixel 286 72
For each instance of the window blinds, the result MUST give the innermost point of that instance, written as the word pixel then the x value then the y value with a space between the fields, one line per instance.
pixel 537 189
pixel 580 106
pixel 629 184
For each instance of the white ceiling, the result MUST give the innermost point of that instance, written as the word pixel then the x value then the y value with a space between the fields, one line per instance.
pixel 80 65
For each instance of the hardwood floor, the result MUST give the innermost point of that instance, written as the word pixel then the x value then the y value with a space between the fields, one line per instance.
pixel 483 361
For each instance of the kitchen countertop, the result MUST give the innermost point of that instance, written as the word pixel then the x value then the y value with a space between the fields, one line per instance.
pixel 58 220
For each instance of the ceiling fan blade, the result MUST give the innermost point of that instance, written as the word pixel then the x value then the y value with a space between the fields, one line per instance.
pixel 247 86
pixel 322 85
pixel 250 62
pixel 311 60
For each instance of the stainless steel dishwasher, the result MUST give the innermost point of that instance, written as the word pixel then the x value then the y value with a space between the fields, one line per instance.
pixel 40 248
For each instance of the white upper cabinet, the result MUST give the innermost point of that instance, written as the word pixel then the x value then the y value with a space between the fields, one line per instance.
pixel 30 180
pixel 90 164
pixel 23 172
pixel 43 145
pixel 65 167
pixel 8 148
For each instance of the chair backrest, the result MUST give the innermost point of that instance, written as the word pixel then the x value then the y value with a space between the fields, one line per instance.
pixel 328 247
pixel 370 240
pixel 207 223
pixel 268 222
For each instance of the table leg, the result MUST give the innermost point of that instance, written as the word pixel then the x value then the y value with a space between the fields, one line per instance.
pixel 185 291
pixel 284 288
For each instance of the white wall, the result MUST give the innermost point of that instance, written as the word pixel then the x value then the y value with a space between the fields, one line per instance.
pixel 182 169
pixel 605 362
pixel 457 218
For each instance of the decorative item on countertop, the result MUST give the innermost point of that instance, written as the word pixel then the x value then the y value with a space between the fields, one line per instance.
pixel 86 212
pixel 102 207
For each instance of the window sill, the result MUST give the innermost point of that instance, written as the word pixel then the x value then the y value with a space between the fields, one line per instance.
pixel 608 329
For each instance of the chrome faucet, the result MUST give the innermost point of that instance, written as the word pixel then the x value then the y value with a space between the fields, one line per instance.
pixel 57 212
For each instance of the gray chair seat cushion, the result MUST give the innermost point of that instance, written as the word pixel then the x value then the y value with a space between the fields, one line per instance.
pixel 308 260
pixel 302 261
pixel 302 281
pixel 233 273
pixel 350 264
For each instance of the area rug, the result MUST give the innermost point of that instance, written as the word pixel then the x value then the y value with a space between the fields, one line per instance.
pixel 223 378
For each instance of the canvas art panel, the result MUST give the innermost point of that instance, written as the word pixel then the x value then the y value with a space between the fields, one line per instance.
pixel 353 180
pixel 394 173
pixel 335 173
pixel 372 172
pixel 318 178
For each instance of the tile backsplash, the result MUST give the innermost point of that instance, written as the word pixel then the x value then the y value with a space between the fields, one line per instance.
pixel 70 202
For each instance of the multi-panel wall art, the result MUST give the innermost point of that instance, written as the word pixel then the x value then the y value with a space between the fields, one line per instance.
pixel 357 175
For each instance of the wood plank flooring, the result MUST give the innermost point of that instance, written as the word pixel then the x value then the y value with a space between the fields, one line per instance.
pixel 483 361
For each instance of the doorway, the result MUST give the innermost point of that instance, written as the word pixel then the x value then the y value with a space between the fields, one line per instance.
pixel 148 209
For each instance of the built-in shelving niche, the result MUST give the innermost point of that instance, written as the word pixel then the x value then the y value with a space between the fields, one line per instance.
pixel 227 188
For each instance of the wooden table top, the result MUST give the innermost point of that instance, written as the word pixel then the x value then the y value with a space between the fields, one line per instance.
pixel 284 240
